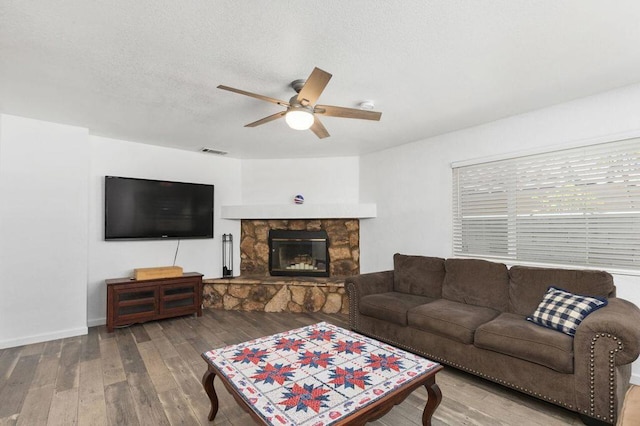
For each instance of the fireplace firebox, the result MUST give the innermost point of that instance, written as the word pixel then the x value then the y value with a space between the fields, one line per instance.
pixel 298 253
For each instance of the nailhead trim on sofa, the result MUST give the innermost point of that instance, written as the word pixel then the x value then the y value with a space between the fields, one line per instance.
pixel 612 377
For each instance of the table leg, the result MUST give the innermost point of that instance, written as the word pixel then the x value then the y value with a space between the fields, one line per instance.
pixel 207 382
pixel 435 396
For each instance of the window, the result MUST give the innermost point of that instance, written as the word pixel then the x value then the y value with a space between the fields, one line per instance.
pixel 577 206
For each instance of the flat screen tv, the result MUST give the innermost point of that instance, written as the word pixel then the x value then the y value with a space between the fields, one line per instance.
pixel 153 209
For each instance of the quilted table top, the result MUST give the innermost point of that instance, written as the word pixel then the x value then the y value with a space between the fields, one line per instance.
pixel 315 375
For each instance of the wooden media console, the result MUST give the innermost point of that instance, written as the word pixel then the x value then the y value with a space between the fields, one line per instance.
pixel 131 301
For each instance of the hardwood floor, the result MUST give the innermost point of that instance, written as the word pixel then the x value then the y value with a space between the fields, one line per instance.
pixel 150 375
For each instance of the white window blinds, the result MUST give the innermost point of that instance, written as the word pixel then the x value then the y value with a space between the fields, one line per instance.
pixel 576 206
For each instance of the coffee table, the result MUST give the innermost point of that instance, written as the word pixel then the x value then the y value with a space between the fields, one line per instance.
pixel 319 375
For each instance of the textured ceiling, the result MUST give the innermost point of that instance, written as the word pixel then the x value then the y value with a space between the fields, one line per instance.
pixel 147 71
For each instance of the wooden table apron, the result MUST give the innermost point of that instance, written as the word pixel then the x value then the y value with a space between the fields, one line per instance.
pixel 369 413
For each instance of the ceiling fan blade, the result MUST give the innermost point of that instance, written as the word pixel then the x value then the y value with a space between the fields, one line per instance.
pixel 335 111
pixel 254 95
pixel 267 119
pixel 319 129
pixel 315 84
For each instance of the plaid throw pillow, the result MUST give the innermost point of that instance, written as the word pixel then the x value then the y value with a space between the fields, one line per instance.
pixel 564 311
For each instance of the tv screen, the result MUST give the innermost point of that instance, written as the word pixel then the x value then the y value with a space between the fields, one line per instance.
pixel 154 209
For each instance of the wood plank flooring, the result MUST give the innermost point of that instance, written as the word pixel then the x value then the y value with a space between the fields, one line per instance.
pixel 150 375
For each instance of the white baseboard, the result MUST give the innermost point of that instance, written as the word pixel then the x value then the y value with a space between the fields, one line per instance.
pixel 37 338
pixel 96 322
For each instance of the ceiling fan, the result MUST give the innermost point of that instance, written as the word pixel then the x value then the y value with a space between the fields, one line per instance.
pixel 302 111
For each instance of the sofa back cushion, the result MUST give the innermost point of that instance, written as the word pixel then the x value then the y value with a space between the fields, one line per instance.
pixel 527 285
pixel 477 282
pixel 419 275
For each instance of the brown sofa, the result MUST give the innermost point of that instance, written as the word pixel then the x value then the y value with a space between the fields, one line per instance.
pixel 470 314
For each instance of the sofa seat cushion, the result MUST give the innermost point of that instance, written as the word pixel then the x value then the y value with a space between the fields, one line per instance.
pixel 457 321
pixel 513 335
pixel 391 306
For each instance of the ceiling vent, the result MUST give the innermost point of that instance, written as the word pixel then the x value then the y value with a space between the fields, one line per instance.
pixel 213 151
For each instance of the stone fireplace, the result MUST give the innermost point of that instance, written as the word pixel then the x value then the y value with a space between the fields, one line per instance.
pixel 343 244
pixel 256 289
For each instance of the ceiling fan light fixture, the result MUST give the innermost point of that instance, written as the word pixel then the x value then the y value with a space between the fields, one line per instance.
pixel 299 118
pixel 301 110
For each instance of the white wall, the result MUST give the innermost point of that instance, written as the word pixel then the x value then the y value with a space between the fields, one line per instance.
pixel 411 184
pixel 321 181
pixel 44 176
pixel 53 257
pixel 113 259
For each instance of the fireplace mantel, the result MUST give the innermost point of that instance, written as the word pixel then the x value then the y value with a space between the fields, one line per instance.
pixel 300 211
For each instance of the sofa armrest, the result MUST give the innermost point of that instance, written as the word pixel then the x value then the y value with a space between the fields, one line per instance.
pixel 619 321
pixel 605 345
pixel 362 285
pixel 372 283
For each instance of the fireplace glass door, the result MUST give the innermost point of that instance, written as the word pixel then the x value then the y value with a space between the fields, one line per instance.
pixel 298 253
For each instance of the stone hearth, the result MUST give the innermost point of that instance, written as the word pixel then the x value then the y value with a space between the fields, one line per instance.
pixel 256 290
pixel 276 294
